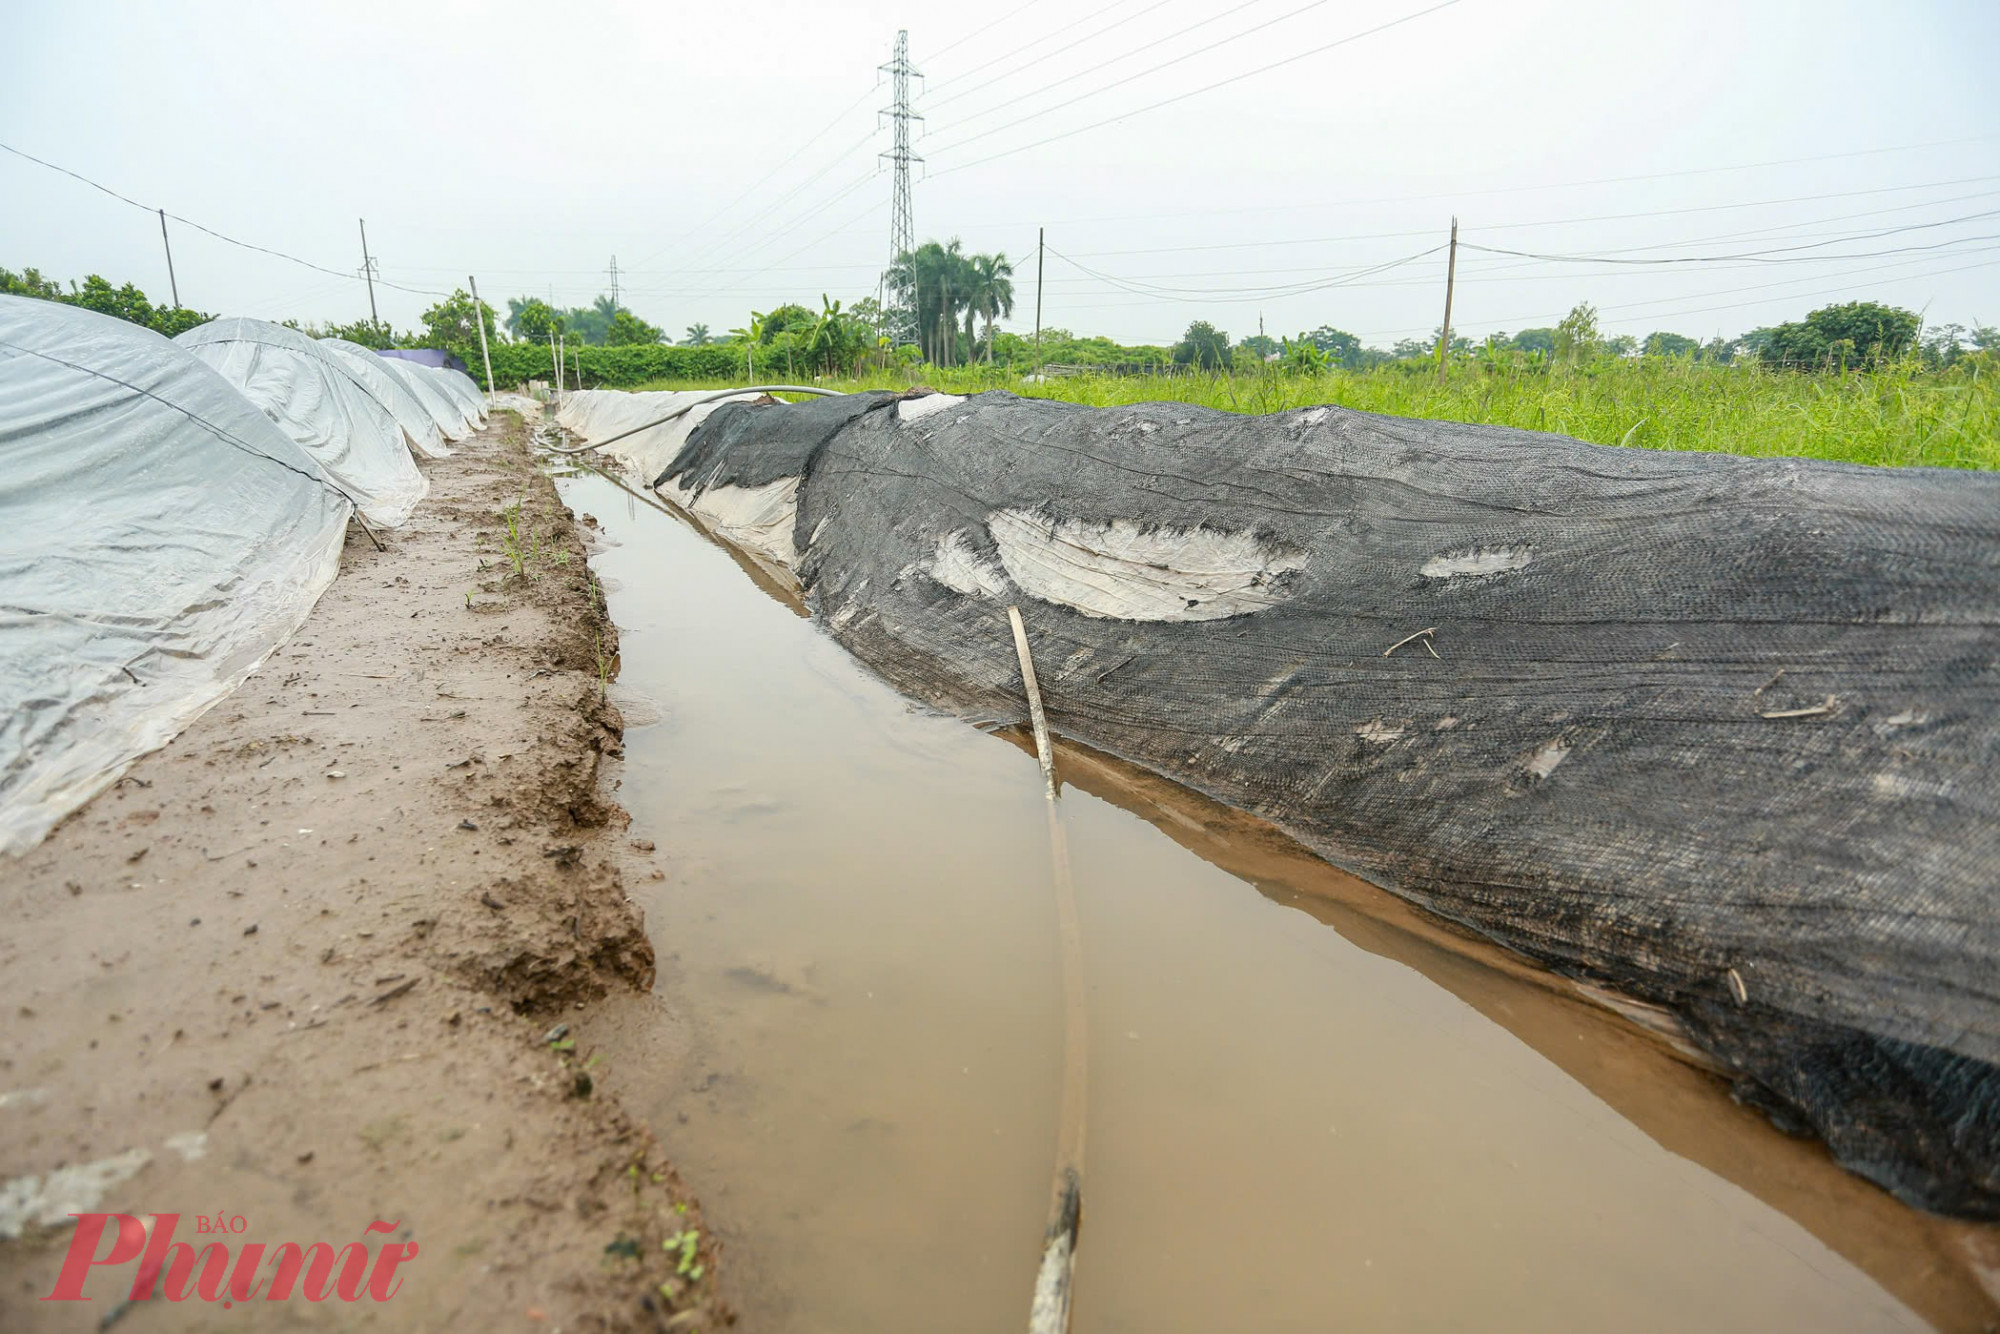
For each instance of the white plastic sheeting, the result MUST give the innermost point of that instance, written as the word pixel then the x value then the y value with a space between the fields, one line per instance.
pixel 466 390
pixel 419 427
pixel 159 536
pixel 445 410
pixel 600 414
pixel 313 397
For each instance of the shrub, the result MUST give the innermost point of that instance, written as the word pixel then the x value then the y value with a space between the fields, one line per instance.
pixel 611 367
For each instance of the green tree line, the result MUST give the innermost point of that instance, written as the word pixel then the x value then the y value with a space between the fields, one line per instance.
pixel 947 311
pixel 96 293
pixel 1833 338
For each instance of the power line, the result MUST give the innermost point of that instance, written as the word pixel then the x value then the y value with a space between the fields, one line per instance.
pixel 1663 315
pixel 1070 46
pixel 1049 36
pixel 1458 194
pixel 1008 17
pixel 733 239
pixel 1705 310
pixel 1302 288
pixel 1770 256
pixel 146 208
pixel 819 208
pixel 851 222
pixel 1556 222
pixel 1179 97
pixel 1206 50
pixel 347 275
pixel 758 184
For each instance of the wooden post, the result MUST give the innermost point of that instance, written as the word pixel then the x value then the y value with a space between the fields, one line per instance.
pixel 1041 249
pixel 1049 1311
pixel 1039 719
pixel 368 272
pixel 1450 278
pixel 172 282
pixel 479 318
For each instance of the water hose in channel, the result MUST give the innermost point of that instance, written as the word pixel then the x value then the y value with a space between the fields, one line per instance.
pixel 1049 1313
pixel 705 398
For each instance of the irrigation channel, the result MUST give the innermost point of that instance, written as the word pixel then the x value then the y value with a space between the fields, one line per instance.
pixel 1310 1108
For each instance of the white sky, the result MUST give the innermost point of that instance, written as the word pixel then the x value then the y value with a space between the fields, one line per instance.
pixel 528 143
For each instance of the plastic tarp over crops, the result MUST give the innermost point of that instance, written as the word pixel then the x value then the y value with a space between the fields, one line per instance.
pixel 446 411
pixel 419 427
pixel 159 536
pixel 464 391
pixel 1720 732
pixel 601 414
pixel 316 399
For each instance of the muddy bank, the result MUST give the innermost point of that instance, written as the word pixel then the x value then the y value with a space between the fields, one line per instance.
pixel 312 963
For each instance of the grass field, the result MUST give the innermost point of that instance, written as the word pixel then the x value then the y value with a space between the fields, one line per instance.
pixel 1900 416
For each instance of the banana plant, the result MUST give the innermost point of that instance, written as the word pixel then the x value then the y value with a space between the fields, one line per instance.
pixel 751 336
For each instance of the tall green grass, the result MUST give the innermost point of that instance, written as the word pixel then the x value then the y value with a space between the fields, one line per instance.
pixel 1899 415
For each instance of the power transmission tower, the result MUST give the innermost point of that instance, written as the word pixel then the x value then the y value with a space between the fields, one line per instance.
pixel 902 227
pixel 614 281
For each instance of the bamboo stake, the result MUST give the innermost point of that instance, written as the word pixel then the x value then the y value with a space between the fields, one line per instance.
pixel 1035 714
pixel 1054 1279
pixel 479 318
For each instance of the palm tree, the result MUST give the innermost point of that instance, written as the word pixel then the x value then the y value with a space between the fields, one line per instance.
pixel 936 282
pixel 991 295
pixel 697 335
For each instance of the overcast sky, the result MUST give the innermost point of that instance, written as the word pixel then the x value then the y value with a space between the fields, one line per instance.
pixel 725 153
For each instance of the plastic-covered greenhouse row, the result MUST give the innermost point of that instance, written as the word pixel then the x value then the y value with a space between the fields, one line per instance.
pixel 170 511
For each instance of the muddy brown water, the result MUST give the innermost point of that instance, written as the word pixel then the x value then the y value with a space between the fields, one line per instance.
pixel 1310 1108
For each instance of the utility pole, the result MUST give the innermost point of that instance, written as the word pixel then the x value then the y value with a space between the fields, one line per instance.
pixel 614 282
pixel 1041 252
pixel 368 272
pixel 902 224
pixel 1450 279
pixel 479 318
pixel 555 366
pixel 172 282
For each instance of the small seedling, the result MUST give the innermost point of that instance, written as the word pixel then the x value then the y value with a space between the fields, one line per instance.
pixel 597 638
pixel 686 1242
pixel 511 544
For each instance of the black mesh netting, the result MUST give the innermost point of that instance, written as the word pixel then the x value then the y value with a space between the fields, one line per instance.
pixel 1721 732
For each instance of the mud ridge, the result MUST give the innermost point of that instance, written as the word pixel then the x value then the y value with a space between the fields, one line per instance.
pixel 315 962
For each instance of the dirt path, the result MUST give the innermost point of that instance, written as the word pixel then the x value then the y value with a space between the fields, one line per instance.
pixel 309 964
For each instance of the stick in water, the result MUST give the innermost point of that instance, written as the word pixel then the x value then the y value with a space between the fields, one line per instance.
pixel 1050 1312
pixel 1035 714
